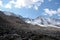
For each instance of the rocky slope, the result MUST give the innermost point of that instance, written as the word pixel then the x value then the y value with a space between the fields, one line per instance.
pixel 14 28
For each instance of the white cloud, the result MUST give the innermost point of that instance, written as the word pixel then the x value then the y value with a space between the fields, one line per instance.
pixel 25 3
pixel 8 6
pixel 36 7
pixel 1 3
pixel 12 2
pixel 0 9
pixel 28 3
pixel 58 10
pixel 52 12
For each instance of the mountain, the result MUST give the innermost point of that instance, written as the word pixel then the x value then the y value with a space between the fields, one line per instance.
pixel 41 21
pixel 44 21
pixel 13 27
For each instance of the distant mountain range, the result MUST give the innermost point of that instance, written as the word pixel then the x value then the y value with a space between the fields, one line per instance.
pixel 44 22
pixel 14 20
pixel 40 20
pixel 15 27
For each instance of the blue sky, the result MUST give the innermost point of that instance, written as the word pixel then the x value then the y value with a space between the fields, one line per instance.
pixel 32 8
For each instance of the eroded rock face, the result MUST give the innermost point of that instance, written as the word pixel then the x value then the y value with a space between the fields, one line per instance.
pixel 14 28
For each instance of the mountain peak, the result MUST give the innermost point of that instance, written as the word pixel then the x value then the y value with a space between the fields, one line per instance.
pixel 41 20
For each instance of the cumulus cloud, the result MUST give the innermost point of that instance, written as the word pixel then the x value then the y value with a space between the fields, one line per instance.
pixel 51 12
pixel 58 10
pixel 25 3
pixel 36 7
pixel 1 3
pixel 8 6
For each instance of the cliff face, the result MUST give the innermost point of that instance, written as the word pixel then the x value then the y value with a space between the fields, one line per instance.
pixel 14 28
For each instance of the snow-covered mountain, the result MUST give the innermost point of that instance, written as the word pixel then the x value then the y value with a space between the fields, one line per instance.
pixel 44 22
pixel 40 20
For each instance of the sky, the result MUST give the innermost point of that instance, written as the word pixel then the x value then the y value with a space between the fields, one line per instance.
pixel 32 8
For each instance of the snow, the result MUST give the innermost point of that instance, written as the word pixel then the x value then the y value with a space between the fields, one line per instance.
pixel 44 22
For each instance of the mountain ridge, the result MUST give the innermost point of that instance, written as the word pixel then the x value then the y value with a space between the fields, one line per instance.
pixel 44 21
pixel 15 28
pixel 40 20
